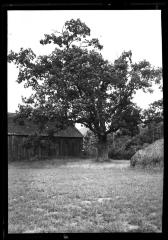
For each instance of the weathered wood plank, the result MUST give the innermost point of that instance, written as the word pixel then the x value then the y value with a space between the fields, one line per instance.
pixel 59 147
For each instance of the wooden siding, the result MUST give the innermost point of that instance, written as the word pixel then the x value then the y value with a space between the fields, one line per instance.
pixel 58 147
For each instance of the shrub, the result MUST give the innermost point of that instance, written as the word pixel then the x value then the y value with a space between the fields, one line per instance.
pixel 117 150
pixel 89 145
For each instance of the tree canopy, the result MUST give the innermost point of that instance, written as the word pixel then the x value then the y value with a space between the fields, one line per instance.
pixel 154 114
pixel 74 84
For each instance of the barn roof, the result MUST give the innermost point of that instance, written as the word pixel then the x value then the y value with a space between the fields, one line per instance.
pixel 29 128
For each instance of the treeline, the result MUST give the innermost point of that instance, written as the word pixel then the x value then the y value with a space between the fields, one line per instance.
pixel 127 141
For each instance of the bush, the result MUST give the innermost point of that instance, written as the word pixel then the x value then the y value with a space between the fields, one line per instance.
pixel 89 145
pixel 89 152
pixel 121 155
pixel 119 151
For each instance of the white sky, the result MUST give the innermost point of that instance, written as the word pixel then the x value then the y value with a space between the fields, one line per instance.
pixel 135 30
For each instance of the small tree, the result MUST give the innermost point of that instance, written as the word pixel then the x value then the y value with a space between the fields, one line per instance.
pixel 152 117
pixel 154 113
pixel 74 84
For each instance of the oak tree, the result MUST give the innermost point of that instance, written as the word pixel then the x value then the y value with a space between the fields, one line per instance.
pixel 75 84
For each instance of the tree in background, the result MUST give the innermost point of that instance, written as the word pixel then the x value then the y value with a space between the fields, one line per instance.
pixel 151 128
pixel 154 113
pixel 153 119
pixel 74 84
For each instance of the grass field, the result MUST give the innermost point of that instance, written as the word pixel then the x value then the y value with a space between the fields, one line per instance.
pixel 83 197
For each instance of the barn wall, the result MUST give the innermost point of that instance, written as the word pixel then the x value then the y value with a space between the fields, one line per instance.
pixel 71 146
pixel 16 151
pixel 59 147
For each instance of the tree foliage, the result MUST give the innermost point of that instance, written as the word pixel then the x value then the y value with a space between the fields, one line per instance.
pixel 74 84
pixel 154 113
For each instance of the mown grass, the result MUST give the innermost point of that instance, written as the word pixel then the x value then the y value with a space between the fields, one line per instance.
pixel 83 197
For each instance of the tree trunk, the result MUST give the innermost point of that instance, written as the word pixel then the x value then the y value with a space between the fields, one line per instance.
pixel 102 149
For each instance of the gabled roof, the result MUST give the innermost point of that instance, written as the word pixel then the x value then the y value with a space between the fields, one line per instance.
pixel 29 128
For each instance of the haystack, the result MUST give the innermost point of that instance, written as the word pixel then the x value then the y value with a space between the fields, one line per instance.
pixel 151 155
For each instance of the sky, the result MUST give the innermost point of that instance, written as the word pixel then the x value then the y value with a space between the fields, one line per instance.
pixel 117 30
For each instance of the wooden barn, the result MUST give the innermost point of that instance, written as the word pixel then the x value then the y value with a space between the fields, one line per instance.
pixel 25 144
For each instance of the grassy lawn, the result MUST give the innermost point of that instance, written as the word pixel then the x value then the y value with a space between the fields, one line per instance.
pixel 83 197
